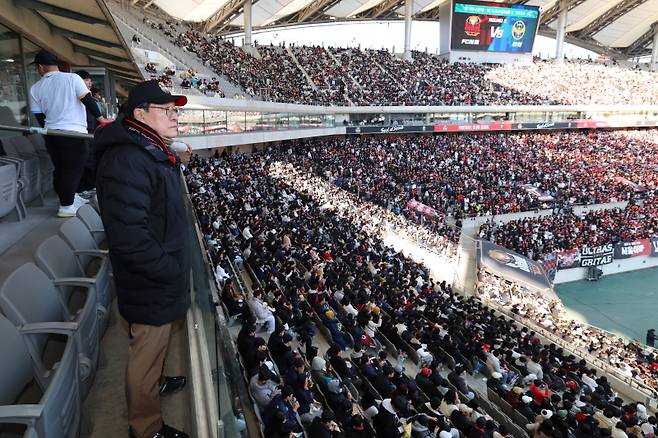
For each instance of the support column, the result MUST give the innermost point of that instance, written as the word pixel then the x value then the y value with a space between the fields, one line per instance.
pixel 408 9
pixel 654 51
pixel 247 22
pixel 561 31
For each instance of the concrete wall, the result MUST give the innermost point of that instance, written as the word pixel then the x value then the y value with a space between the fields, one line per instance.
pixel 214 103
pixel 471 226
pixel 257 137
pixel 616 267
pixel 482 57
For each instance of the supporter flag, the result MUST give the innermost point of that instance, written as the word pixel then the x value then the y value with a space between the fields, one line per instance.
pixel 568 259
pixel 549 262
pixel 512 266
pixel 537 193
pixel 422 208
pixel 654 246
pixel 636 187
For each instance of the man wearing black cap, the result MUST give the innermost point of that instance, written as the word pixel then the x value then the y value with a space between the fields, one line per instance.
pixel 141 203
pixel 58 101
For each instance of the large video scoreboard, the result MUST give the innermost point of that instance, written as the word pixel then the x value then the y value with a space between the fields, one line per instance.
pixel 493 27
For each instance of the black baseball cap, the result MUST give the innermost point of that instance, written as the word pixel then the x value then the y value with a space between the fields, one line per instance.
pixel 44 57
pixel 150 92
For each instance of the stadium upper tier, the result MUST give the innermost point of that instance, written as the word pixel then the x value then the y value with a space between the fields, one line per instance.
pixel 349 76
pixel 621 28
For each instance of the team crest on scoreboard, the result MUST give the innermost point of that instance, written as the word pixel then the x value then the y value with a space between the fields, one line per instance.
pixel 518 30
pixel 472 27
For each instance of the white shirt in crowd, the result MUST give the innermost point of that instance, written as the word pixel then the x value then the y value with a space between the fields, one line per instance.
pixel 57 95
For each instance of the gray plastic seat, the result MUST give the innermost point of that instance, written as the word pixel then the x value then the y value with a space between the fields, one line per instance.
pixel 9 190
pixel 38 143
pixel 58 261
pixel 57 415
pixel 28 296
pixel 92 220
pixel 18 150
pixel 77 235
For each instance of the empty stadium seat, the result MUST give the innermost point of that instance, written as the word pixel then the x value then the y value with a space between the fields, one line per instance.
pixel 28 296
pixel 56 258
pixel 20 151
pixel 57 415
pixel 77 235
pixel 9 192
pixel 92 220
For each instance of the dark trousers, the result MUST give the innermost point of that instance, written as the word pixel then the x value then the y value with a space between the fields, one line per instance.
pixel 88 178
pixel 69 156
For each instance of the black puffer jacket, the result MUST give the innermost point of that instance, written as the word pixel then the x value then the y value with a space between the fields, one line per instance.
pixel 141 201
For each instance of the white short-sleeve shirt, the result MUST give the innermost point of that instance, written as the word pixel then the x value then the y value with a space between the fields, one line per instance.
pixel 57 95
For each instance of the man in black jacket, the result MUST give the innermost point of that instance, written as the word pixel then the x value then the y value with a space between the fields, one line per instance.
pixel 141 202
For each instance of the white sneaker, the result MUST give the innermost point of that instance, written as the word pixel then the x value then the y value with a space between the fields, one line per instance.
pixel 79 201
pixel 68 211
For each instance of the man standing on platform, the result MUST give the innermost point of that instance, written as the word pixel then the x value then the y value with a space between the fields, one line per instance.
pixel 140 194
pixel 58 101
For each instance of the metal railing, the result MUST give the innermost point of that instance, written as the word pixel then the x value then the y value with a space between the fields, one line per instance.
pixel 43 131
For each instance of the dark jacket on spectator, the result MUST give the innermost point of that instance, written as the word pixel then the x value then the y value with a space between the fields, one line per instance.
pixel 141 203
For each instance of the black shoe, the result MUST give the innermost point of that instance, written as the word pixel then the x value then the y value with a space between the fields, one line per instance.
pixel 172 384
pixel 166 432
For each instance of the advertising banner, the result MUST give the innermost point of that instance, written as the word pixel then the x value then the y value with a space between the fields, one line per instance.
pixel 568 259
pixel 596 255
pixel 511 266
pixel 493 27
pixel 636 248
pixel 479 127
pixel 392 129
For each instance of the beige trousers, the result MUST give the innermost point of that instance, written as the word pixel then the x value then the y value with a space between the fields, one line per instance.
pixel 146 358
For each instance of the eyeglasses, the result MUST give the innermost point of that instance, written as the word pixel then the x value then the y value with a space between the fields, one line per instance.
pixel 169 112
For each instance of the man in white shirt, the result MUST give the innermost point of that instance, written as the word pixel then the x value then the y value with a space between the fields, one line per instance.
pixel 58 101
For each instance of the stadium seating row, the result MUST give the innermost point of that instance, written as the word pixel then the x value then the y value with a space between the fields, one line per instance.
pixel 54 313
pixel 26 174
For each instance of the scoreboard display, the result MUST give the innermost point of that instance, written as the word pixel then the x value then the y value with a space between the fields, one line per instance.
pixel 493 27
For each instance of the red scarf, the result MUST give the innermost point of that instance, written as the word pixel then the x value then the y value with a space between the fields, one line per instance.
pixel 150 136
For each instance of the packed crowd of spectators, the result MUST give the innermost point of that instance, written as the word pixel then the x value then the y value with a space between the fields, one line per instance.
pixel 534 237
pixel 629 359
pixel 485 174
pixel 273 75
pixel 354 76
pixel 267 214
pixel 580 82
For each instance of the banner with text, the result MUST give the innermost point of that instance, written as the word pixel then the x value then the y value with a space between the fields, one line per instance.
pixel 636 248
pixel 596 255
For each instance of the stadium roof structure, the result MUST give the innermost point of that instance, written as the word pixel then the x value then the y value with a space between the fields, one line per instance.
pixel 81 32
pixel 621 29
